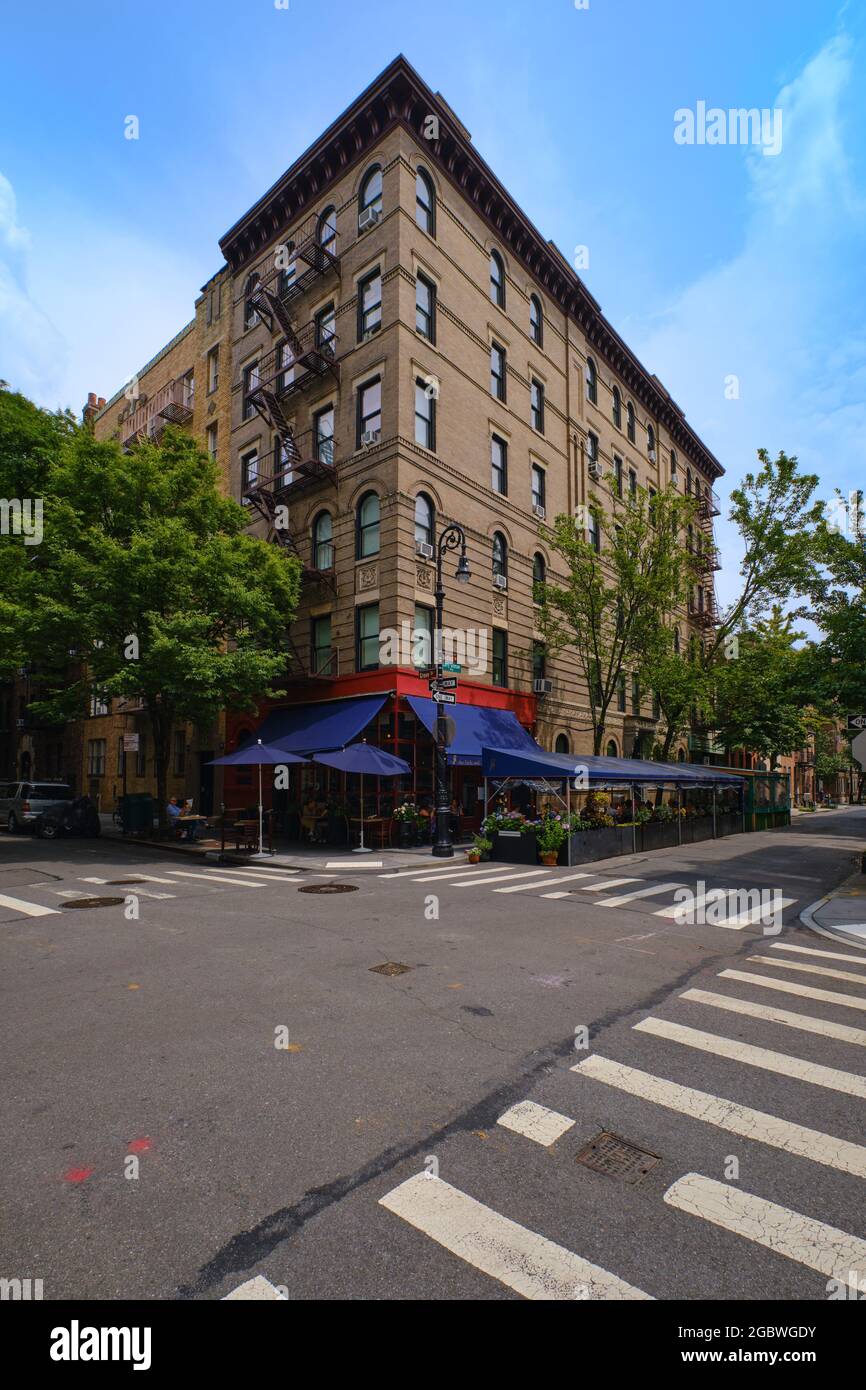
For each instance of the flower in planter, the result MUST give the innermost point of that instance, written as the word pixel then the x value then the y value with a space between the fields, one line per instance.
pixel 407 812
pixel 551 835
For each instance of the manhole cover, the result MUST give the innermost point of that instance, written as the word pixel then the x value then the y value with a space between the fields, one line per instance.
pixel 93 902
pixel 391 967
pixel 115 882
pixel 330 888
pixel 610 1154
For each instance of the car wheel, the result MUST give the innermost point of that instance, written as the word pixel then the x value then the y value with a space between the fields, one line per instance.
pixel 48 830
pixel 12 824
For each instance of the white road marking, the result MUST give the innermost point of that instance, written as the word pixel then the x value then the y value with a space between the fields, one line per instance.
pixel 146 878
pixel 354 863
pixel 554 895
pixel 729 1115
pixel 535 1122
pixel 759 913
pixel 525 887
pixel 216 878
pixel 520 1259
pixel 525 873
pixel 827 996
pixel 638 893
pixel 278 875
pixel 29 909
pixel 809 969
pixel 607 883
pixel 473 872
pixel 790 1233
pixel 847 1082
pixel 811 951
pixel 712 895
pixel 773 1014
pixel 258 1288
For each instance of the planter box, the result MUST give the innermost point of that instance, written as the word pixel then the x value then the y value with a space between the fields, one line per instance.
pixel 606 843
pixel 657 835
pixel 697 828
pixel 729 823
pixel 514 847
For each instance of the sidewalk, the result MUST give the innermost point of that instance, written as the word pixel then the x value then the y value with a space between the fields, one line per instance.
pixel 842 913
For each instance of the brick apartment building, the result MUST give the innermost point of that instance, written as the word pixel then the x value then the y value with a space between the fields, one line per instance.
pixel 398 347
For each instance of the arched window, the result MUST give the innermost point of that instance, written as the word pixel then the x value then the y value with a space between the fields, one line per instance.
pixel 328 230
pixel 367 526
pixel 688 482
pixel 497 279
pixel 681 755
pixel 425 203
pixel 323 542
pixel 617 408
pixel 536 319
pixel 370 195
pixel 539 571
pixel 424 514
pixel 251 317
pixel 500 555
pixel 611 748
pixel 561 745
pixel 650 440
pixel 629 418
pixel 673 466
pixel 591 381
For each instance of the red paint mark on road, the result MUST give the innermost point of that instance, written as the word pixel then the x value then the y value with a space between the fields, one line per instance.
pixel 77 1174
pixel 139 1146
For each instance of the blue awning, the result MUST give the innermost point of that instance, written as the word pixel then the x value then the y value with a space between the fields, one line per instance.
pixel 473 726
pixel 315 728
pixel 509 762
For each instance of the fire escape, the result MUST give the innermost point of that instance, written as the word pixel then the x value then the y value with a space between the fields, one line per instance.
pixel 303 357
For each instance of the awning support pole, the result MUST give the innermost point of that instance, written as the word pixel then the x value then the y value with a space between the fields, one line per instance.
pixel 568 817
pixel 715 827
pixel 679 814
pixel 633 824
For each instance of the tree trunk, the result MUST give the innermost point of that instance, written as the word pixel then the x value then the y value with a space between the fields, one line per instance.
pixel 670 735
pixel 160 723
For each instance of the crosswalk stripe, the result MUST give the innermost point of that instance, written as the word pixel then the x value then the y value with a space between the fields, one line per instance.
pixel 779 1062
pixel 810 969
pixel 728 1115
pixel 354 863
pixel 759 913
pixel 258 1288
pixel 790 1233
pixel 278 875
pixel 545 882
pixel 772 1014
pixel 216 878
pixel 519 1258
pixel 827 996
pixel 147 878
pixel 525 873
pixel 712 895
pixel 535 1122
pixel 29 909
pixel 450 874
pixel 606 883
pixel 456 866
pixel 555 895
pixel 811 951
pixel 638 893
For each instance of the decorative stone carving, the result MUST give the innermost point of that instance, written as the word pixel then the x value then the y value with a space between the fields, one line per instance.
pixel 367 577
pixel 499 606
pixel 423 577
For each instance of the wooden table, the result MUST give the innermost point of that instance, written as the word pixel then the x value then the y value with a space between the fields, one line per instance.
pixel 189 823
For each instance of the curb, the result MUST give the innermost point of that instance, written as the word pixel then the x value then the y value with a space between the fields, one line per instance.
pixel 807 917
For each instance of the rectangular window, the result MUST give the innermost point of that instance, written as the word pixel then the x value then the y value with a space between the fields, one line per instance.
pixel 497 371
pixel 96 757
pixel 425 308
pixel 179 746
pixel 321 655
pixel 499 465
pixel 635 695
pixel 367 637
pixel 536 397
pixel 632 482
pixel 250 383
pixel 326 330
pixel 422 638
pixel 538 661
pixel 323 433
pixel 592 448
pixel 425 416
pixel 594 531
pixel 369 305
pixel 249 471
pixel 620 693
pixel 285 366
pixel 500 657
pixel 213 369
pixel 538 487
pixel 212 434
pixel 188 383
pixel 282 462
pixel 98 703
pixel 653 505
pixel 617 464
pixel 369 410
pixel 141 756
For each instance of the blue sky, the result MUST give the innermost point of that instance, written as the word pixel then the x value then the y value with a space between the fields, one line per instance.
pixel 710 260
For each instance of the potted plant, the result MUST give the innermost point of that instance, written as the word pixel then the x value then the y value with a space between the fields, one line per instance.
pixel 406 817
pixel 481 848
pixel 550 837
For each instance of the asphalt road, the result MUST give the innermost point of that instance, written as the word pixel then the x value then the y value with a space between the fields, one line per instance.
pixel 157 1144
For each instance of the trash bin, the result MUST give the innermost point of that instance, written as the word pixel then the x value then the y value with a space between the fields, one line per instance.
pixel 136 813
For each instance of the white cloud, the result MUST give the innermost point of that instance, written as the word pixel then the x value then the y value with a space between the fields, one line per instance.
pixel 780 312
pixel 31 348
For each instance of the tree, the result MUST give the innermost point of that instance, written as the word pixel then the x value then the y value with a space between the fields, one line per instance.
pixel 681 685
pixel 759 695
pixel 611 606
pixel 147 580
pixel 839 609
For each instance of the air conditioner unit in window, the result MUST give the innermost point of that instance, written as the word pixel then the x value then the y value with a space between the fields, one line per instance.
pixel 595 468
pixel 368 218
pixel 370 437
pixel 542 686
pixel 651 455
pixel 500 581
pixel 424 549
pixel 539 510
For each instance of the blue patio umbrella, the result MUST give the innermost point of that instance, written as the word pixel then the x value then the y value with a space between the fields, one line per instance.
pixel 364 758
pixel 258 754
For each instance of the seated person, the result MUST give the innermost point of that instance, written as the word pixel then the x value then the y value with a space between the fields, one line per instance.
pixel 173 811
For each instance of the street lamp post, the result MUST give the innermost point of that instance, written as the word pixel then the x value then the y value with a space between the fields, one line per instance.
pixel 451 538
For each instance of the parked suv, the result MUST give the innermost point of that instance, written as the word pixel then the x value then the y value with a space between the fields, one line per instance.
pixel 21 803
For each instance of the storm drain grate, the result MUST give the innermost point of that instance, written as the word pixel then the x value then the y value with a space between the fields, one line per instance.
pixel 93 902
pixel 330 888
pixel 615 1157
pixel 391 967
